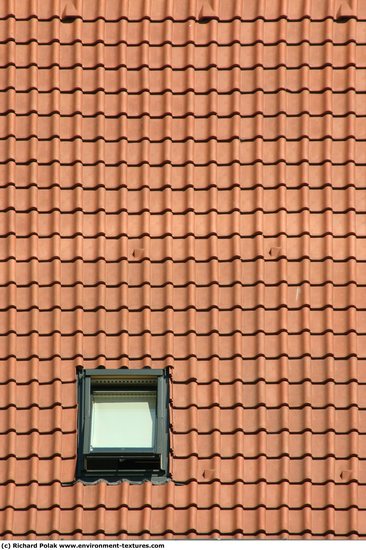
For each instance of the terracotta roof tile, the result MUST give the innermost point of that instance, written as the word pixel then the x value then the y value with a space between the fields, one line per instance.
pixel 186 194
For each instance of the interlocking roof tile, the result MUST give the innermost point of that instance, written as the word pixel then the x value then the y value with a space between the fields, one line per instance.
pixel 186 194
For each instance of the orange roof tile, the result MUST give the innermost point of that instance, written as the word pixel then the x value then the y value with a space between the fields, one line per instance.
pixel 182 186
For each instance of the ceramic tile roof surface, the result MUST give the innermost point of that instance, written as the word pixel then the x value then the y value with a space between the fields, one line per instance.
pixel 183 185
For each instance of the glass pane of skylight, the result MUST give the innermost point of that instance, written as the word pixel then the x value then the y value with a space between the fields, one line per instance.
pixel 123 419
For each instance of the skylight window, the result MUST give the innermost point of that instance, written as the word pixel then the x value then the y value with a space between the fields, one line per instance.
pixel 123 424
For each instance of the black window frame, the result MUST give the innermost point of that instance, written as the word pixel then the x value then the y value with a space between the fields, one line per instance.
pixel 119 464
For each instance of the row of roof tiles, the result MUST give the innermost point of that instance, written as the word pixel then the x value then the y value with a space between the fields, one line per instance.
pixel 153 154
pixel 308 200
pixel 188 523
pixel 224 10
pixel 66 131
pixel 171 37
pixel 137 58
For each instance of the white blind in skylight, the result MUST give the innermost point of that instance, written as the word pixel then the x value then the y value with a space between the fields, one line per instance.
pixel 123 419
